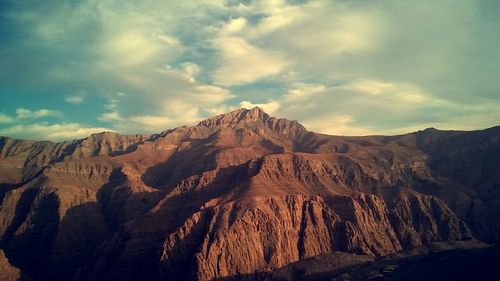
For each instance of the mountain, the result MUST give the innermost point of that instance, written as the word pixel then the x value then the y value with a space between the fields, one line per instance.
pixel 238 193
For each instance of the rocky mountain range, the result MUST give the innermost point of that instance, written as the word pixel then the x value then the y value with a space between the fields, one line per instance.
pixel 237 194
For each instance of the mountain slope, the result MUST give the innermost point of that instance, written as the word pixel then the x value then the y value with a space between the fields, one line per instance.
pixel 238 193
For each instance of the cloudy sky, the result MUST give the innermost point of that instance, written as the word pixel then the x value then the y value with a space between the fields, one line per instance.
pixel 72 68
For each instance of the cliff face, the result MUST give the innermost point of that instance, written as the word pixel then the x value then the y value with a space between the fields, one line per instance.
pixel 235 194
pixel 422 219
pixel 267 233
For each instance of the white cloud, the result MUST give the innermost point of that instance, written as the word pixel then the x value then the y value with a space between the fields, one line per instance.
pixel 159 98
pixel 77 98
pixel 371 87
pixel 182 111
pixel 113 102
pixel 404 92
pixel 241 62
pixel 5 118
pixel 278 16
pixel 269 107
pixel 373 106
pixel 301 39
pixel 233 26
pixel 191 70
pixel 208 94
pixel 54 132
pixel 158 123
pixel 110 117
pixel 301 91
pixel 23 113
pixel 342 109
pixel 74 99
pixel 310 33
pixel 334 124
pixel 263 7
pixel 131 48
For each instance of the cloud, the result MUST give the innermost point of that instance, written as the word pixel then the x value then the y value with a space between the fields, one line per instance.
pixel 54 132
pixel 371 106
pixel 130 48
pixel 405 92
pixel 191 70
pixel 233 26
pixel 303 91
pixel 171 95
pixel 158 123
pixel 113 102
pixel 342 109
pixel 5 118
pixel 169 104
pixel 23 113
pixel 387 66
pixel 241 62
pixel 74 99
pixel 307 33
pixel 291 39
pixel 269 107
pixel 342 124
pixel 349 33
pixel 18 123
pixel 110 117
pixel 371 87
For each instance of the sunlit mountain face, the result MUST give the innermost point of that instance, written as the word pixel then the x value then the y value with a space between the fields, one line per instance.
pixel 249 140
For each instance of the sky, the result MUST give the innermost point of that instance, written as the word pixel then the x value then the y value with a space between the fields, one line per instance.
pixel 72 68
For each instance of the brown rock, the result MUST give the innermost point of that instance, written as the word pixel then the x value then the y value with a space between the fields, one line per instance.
pixel 237 193
pixel 420 219
pixel 8 272
pixel 268 233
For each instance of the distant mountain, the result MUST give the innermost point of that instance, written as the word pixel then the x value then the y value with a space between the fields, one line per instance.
pixel 239 193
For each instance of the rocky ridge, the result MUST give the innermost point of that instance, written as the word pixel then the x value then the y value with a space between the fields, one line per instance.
pixel 238 193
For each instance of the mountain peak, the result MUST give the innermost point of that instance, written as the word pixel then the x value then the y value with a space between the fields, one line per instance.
pixel 250 117
pixel 236 117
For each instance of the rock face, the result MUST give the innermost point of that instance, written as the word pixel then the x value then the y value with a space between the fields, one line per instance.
pixel 422 219
pixel 238 193
pixel 8 272
pixel 267 233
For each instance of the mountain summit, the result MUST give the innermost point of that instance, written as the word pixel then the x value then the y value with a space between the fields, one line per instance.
pixel 251 118
pixel 237 117
pixel 238 193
